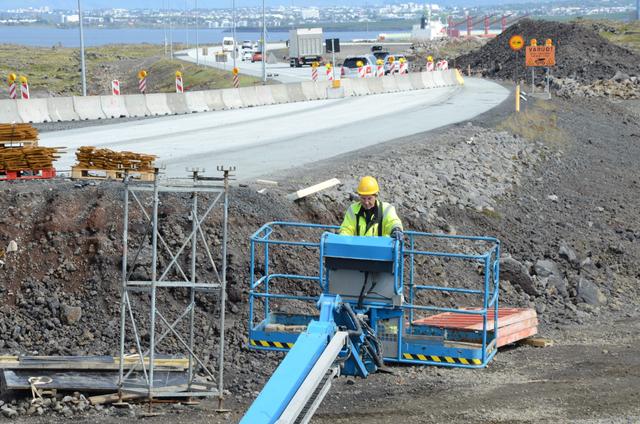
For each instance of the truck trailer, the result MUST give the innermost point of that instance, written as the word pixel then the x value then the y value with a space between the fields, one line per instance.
pixel 305 46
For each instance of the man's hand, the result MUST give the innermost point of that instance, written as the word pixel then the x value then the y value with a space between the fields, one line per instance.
pixel 397 234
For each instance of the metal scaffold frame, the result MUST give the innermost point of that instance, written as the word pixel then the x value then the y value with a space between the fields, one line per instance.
pixel 135 315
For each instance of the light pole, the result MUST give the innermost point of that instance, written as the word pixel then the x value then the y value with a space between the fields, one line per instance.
pixel 197 40
pixel 233 13
pixel 82 65
pixel 264 45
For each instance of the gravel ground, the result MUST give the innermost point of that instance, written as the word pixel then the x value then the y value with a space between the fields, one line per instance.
pixel 563 202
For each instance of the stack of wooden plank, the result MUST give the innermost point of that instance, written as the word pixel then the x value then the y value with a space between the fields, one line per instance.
pixel 513 323
pixel 20 155
pixel 94 163
pixel 18 134
pixel 28 158
pixel 91 157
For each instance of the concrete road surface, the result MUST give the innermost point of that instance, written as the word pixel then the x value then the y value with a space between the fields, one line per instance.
pixel 265 139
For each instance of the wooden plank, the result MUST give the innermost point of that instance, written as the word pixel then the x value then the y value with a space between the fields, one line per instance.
pixel 536 342
pixel 516 336
pixel 267 182
pixel 87 363
pixel 313 189
pixel 103 381
pixel 115 397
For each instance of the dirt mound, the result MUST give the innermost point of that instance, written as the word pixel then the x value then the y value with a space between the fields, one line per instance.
pixel 581 53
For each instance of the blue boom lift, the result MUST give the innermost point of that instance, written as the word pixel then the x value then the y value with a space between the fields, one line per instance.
pixel 367 313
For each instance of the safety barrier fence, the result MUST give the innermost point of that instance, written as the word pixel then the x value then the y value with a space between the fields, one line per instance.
pixel 483 297
pixel 54 109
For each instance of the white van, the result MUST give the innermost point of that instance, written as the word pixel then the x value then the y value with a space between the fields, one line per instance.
pixel 227 44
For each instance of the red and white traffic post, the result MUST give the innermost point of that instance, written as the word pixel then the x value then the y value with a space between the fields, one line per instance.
pixel 380 68
pixel 329 72
pixel 392 65
pixel 236 78
pixel 403 65
pixel 142 81
pixel 430 66
pixel 361 69
pixel 314 71
pixel 24 88
pixel 13 90
pixel 179 84
pixel 115 87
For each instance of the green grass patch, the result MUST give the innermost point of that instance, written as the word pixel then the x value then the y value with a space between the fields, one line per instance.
pixel 57 70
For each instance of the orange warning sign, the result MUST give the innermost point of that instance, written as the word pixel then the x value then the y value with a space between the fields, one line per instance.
pixel 540 56
pixel 516 42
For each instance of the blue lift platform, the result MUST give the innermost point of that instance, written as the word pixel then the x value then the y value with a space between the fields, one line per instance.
pixel 370 292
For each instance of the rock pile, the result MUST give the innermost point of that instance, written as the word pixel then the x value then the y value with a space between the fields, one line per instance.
pixel 621 86
pixel 581 54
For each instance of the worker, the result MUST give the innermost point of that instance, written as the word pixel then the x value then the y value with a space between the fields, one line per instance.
pixel 369 216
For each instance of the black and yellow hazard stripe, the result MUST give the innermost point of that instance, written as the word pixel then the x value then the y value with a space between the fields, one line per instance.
pixel 266 343
pixel 442 359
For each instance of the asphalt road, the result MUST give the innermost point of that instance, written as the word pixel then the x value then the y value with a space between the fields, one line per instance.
pixel 277 71
pixel 266 139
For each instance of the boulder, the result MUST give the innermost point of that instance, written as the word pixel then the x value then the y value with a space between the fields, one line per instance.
pixel 547 267
pixel 518 275
pixel 568 254
pixel 70 314
pixel 589 293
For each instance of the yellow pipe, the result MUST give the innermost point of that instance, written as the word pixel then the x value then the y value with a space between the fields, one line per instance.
pixel 517 97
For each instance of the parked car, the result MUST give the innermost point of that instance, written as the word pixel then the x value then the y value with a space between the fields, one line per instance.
pixel 247 45
pixel 349 68
pixel 247 55
pixel 381 55
pixel 396 58
pixel 256 57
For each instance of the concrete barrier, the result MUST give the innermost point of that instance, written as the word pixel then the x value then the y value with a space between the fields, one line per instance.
pixel 438 79
pixel 389 84
pixel 88 107
pixel 33 110
pixel 136 105
pixel 177 103
pixel 416 80
pixel 294 92
pixel 114 106
pixel 279 93
pixel 157 104
pixel 360 86
pixel 9 112
pixel 321 89
pixel 427 79
pixel 231 98
pixel 249 96
pixel 375 85
pixel 404 83
pixel 309 90
pixel 347 87
pixel 61 109
pixel 196 101
pixel 446 77
pixel 214 99
pixel 265 97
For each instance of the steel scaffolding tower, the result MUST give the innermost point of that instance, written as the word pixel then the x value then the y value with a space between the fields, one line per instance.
pixel 139 315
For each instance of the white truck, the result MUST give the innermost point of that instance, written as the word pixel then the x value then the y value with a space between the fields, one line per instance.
pixel 306 46
pixel 227 44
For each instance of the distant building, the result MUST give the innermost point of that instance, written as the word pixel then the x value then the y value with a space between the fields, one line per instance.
pixel 70 19
pixel 311 13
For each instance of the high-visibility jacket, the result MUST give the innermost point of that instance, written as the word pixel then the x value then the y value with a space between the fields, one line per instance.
pixel 381 223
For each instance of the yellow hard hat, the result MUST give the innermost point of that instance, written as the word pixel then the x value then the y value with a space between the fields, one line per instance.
pixel 368 186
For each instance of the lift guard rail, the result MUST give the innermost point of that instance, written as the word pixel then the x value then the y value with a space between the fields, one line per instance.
pixel 405 340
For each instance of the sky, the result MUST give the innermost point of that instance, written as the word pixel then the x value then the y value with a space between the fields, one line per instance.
pixel 131 4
